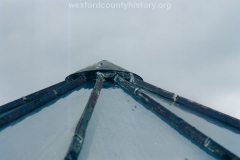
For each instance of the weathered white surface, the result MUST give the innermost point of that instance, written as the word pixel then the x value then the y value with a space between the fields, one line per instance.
pixel 118 130
pixel 44 134
pixel 225 135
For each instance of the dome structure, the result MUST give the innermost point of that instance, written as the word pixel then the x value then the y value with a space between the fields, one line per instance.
pixel 107 112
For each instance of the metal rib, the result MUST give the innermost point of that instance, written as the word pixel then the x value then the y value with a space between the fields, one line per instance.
pixel 78 138
pixel 29 98
pixel 194 134
pixel 190 104
pixel 21 111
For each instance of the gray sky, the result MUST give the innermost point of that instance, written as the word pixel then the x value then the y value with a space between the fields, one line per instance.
pixel 191 49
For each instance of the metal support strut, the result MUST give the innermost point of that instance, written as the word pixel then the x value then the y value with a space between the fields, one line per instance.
pixel 77 141
pixel 29 98
pixel 28 107
pixel 203 140
pixel 190 104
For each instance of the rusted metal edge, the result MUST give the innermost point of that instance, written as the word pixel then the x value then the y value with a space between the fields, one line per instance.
pixel 234 122
pixel 24 109
pixel 203 140
pixel 77 141
pixel 29 98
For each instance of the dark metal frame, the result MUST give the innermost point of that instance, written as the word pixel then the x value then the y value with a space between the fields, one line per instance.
pixel 24 105
pixel 29 98
pixel 203 140
pixel 78 138
pixel 28 107
pixel 188 103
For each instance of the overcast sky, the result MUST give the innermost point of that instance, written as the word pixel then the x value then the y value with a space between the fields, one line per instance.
pixel 191 49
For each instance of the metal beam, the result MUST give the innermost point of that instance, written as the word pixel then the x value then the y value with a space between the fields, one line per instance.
pixel 152 88
pixel 203 140
pixel 234 122
pixel 24 109
pixel 29 98
pixel 78 138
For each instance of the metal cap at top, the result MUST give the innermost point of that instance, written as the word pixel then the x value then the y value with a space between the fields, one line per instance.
pixel 102 66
